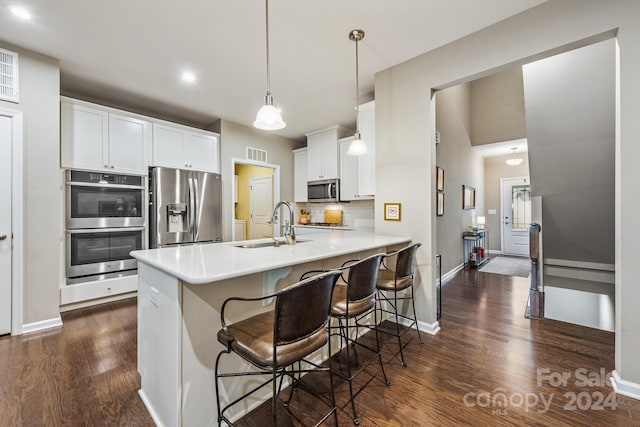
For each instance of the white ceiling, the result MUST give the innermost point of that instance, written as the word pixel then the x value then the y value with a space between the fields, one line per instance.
pixel 130 53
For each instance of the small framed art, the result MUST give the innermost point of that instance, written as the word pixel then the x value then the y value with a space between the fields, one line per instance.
pixel 392 211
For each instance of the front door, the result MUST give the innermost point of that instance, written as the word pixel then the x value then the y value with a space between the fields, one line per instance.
pixel 5 225
pixel 516 215
pixel 261 207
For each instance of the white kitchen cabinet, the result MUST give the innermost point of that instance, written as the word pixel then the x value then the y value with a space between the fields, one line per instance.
pixel 322 153
pixel 358 173
pixel 94 138
pixel 300 176
pixel 184 148
pixel 240 230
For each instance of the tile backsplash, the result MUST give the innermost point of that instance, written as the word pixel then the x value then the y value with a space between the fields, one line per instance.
pixel 359 214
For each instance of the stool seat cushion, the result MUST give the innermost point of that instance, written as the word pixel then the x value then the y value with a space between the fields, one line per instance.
pixel 252 339
pixel 387 281
pixel 356 308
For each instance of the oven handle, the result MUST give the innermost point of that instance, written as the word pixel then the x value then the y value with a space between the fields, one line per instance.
pixel 95 184
pixel 105 230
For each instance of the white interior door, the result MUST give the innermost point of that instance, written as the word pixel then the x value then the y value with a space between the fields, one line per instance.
pixel 261 207
pixel 5 225
pixel 516 215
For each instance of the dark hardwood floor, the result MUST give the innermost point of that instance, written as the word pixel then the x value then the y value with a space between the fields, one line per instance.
pixel 488 366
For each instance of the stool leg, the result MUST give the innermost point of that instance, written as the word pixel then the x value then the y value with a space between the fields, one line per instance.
pixel 218 388
pixel 395 309
pixel 415 316
pixel 333 395
pixel 356 420
pixel 275 397
pixel 384 374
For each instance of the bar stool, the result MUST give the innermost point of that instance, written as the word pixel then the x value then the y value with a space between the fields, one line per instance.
pixel 353 300
pixel 395 281
pixel 274 341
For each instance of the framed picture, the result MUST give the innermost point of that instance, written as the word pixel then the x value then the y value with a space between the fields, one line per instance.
pixel 439 178
pixel 468 197
pixel 392 211
pixel 439 203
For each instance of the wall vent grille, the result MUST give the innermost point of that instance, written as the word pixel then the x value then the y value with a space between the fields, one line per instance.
pixel 256 154
pixel 8 75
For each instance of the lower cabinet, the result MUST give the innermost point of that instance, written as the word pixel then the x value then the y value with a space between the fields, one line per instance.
pixel 92 292
pixel 240 230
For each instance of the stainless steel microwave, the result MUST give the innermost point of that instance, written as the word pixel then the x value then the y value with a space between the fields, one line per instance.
pixel 325 190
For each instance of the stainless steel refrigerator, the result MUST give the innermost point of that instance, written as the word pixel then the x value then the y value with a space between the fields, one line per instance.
pixel 185 207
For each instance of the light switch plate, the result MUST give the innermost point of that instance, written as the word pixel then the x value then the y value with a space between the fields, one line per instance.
pixel 491 211
pixel 154 295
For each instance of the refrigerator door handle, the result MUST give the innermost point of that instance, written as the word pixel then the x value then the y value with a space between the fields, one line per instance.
pixel 196 195
pixel 192 208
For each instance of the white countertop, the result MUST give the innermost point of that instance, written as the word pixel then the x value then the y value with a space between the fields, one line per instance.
pixel 199 264
pixel 325 227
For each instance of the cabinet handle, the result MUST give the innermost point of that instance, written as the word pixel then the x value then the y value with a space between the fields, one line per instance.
pixel 3 236
pixel 106 166
pixel 111 166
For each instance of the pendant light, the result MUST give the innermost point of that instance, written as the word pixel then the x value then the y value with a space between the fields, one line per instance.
pixel 357 146
pixel 514 160
pixel 268 117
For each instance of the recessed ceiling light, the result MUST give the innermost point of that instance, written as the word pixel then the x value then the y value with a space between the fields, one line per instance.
pixel 188 77
pixel 20 12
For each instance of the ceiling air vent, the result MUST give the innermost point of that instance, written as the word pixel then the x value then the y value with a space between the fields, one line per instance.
pixel 8 75
pixel 257 155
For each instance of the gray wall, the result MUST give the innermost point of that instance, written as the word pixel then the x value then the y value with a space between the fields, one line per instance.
pixel 497 108
pixel 461 166
pixel 42 216
pixel 405 149
pixel 234 138
pixel 570 125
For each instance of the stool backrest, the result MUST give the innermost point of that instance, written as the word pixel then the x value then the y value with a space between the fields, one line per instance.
pixel 303 308
pixel 363 277
pixel 405 260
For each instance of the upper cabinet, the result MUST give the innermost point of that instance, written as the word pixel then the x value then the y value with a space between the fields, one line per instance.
pixel 358 173
pixel 98 138
pixel 322 154
pixel 185 148
pixel 300 176
pixel 94 138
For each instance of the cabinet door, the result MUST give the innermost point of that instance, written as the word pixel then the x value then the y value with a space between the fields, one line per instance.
pixel 169 147
pixel 314 157
pixel 367 162
pixel 84 136
pixel 300 177
pixel 348 172
pixel 202 152
pixel 330 155
pixel 129 144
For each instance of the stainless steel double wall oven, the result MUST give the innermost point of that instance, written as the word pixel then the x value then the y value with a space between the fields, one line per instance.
pixel 105 221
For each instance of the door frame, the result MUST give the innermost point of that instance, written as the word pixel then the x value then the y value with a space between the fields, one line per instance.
pixel 17 230
pixel 276 190
pixel 502 207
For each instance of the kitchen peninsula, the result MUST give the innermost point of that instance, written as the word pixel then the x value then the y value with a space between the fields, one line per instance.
pixel 181 291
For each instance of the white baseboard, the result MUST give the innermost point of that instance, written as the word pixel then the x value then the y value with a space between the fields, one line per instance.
pixel 150 408
pixel 449 274
pixel 495 251
pixel 624 387
pixel 41 325
pixel 429 328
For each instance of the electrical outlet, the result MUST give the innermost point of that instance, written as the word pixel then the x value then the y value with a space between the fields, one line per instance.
pixel 154 296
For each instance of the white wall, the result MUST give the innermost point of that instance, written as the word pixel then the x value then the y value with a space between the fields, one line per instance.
pixel 462 166
pixel 42 217
pixel 405 152
pixel 234 138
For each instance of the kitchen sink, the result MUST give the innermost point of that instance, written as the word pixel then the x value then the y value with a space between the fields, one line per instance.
pixel 255 245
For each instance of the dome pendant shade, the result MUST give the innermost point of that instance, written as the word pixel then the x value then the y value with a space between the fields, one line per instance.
pixel 357 146
pixel 269 117
pixel 514 160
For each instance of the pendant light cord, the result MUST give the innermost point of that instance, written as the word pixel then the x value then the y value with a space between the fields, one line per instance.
pixel 267 41
pixel 357 91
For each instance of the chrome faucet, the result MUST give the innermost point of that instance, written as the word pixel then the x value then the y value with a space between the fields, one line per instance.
pixel 289 232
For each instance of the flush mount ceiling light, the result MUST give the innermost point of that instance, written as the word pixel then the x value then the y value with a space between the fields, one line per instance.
pixel 514 160
pixel 357 146
pixel 188 77
pixel 20 12
pixel 268 117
